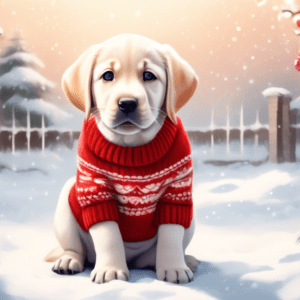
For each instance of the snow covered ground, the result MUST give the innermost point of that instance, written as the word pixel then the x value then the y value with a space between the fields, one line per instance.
pixel 247 225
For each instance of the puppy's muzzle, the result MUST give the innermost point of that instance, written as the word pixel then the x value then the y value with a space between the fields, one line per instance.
pixel 127 105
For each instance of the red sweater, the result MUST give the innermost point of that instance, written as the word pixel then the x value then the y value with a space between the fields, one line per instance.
pixel 139 187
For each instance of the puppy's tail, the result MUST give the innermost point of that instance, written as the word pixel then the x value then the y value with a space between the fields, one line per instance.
pixel 54 255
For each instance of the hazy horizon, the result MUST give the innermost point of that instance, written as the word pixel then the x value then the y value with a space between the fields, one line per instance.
pixel 237 48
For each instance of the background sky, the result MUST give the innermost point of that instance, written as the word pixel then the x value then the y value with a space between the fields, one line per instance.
pixel 237 48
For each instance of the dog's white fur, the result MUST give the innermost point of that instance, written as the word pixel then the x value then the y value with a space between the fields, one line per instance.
pixel 127 56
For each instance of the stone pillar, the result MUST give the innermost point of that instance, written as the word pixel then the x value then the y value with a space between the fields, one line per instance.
pixel 280 149
pixel 273 130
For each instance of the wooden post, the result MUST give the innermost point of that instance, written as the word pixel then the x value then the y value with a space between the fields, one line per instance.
pixel 28 131
pixel 228 132
pixel 280 149
pixel 13 132
pixel 242 129
pixel 43 133
pixel 212 128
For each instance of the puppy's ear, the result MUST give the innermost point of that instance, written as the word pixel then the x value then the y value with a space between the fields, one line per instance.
pixel 181 81
pixel 77 80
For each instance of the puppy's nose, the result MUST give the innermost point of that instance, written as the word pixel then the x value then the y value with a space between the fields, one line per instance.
pixel 128 105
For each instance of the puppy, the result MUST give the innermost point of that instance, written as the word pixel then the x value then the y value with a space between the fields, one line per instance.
pixel 130 205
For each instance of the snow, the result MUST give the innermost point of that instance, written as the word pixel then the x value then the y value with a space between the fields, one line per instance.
pixel 1 31
pixel 247 225
pixel 22 77
pixel 293 5
pixel 276 91
pixel 295 104
pixel 40 106
pixel 260 2
pixel 23 57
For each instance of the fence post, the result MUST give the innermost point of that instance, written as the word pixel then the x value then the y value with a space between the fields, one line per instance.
pixel 13 132
pixel 280 149
pixel 242 129
pixel 256 125
pixel 43 133
pixel 212 128
pixel 28 131
pixel 228 132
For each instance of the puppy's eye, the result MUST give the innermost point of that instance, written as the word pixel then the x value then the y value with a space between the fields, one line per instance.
pixel 108 76
pixel 148 76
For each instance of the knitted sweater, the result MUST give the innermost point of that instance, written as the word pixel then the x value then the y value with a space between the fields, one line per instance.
pixel 139 187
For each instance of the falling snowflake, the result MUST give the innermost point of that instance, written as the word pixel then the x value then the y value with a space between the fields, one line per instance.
pixel 261 2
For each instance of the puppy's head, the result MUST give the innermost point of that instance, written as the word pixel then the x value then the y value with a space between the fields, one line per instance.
pixel 132 81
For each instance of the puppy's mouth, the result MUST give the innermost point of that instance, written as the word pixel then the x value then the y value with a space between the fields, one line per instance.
pixel 127 127
pixel 127 124
pixel 131 124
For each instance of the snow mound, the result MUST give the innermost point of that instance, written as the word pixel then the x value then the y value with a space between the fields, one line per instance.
pixel 22 57
pixel 276 91
pixel 39 106
pixel 247 222
pixel 21 77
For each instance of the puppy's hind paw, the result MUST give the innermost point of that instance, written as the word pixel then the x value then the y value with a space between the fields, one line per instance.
pixel 192 262
pixel 67 265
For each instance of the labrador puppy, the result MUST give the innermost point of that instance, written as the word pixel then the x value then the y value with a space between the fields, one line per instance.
pixel 130 205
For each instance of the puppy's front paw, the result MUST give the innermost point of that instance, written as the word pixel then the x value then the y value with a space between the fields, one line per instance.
pixel 68 265
pixel 102 275
pixel 176 275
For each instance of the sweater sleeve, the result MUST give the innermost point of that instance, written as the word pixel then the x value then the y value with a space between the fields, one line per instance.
pixel 176 205
pixel 93 200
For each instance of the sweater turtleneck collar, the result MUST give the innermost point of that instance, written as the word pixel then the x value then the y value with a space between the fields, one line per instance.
pixel 131 156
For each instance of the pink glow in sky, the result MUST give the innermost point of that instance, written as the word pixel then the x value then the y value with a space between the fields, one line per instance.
pixel 237 48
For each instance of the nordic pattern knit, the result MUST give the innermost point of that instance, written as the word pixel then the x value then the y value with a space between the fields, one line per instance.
pixel 139 187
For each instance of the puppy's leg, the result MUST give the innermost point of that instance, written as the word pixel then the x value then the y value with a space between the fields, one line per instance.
pixel 171 263
pixel 67 233
pixel 110 253
pixel 190 260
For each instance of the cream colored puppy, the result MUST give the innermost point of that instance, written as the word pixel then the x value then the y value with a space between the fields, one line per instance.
pixel 131 84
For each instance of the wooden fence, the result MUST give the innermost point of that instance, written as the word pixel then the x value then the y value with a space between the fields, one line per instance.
pixel 19 138
pixel 256 134
pixel 15 138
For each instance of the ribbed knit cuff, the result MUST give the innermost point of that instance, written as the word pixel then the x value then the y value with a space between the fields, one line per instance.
pixel 175 214
pixel 100 212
